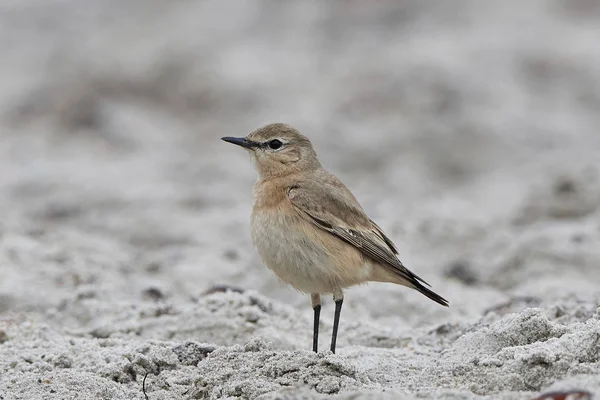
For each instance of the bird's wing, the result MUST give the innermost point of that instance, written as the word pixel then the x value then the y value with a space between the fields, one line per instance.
pixel 387 240
pixel 329 205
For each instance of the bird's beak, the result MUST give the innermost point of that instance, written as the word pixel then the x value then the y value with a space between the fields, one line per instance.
pixel 243 142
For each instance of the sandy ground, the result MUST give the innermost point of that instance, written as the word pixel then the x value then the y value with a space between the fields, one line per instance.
pixel 469 130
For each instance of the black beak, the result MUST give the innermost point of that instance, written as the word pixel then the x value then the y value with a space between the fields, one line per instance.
pixel 248 144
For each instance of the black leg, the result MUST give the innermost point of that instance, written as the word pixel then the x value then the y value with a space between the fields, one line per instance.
pixel 336 323
pixel 317 310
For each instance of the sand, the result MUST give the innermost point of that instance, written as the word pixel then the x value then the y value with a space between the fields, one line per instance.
pixel 468 130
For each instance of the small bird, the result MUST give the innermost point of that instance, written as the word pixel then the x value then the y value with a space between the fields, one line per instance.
pixel 310 230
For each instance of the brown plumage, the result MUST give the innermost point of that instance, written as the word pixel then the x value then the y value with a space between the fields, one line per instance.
pixel 309 228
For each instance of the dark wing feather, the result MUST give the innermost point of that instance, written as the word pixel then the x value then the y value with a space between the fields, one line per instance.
pixel 387 240
pixel 333 208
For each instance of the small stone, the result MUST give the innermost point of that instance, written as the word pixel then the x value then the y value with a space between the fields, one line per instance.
pixel 153 293
pixel 3 337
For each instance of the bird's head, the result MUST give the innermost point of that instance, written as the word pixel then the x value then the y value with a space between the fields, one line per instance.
pixel 278 150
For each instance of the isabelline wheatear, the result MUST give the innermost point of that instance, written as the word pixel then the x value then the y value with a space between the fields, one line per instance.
pixel 310 230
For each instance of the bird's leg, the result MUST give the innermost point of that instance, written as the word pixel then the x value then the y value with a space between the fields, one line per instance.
pixel 338 297
pixel 316 304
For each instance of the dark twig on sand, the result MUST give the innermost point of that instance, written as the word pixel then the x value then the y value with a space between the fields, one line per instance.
pixel 144 386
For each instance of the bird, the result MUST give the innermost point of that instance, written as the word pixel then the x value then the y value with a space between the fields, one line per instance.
pixel 309 228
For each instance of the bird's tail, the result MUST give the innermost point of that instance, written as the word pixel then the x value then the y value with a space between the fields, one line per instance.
pixel 417 283
pixel 403 276
pixel 429 293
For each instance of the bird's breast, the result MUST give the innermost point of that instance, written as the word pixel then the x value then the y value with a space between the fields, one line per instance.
pixel 302 255
pixel 284 246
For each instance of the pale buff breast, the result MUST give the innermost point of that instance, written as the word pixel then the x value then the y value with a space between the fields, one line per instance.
pixel 304 256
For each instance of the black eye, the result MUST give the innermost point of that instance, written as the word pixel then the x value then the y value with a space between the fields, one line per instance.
pixel 275 144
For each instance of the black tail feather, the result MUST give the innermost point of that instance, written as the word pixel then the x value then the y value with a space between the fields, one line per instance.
pixel 420 285
pixel 430 293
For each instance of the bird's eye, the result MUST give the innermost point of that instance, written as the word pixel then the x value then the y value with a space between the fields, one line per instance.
pixel 275 144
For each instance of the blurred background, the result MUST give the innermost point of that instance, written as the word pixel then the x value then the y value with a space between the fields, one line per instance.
pixel 469 130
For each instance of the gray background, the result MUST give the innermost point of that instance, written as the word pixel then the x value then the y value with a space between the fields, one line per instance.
pixel 469 131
